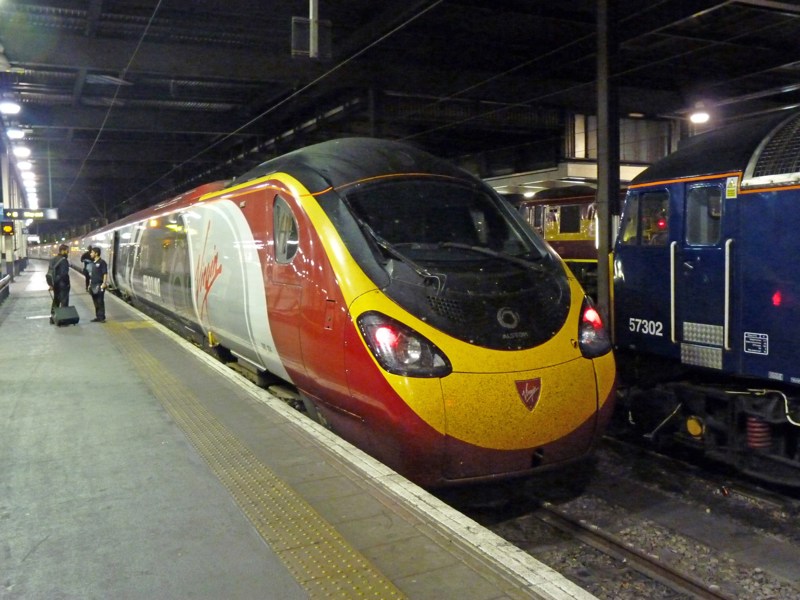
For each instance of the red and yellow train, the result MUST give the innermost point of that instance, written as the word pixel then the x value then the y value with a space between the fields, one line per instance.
pixel 414 310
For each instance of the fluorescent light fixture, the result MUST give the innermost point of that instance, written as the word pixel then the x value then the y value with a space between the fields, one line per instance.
pixel 699 115
pixel 28 176
pixel 24 165
pixel 22 151
pixel 15 134
pixel 7 107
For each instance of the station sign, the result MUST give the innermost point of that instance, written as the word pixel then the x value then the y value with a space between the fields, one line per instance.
pixel 37 214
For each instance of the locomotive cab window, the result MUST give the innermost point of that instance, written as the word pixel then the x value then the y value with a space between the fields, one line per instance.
pixel 646 219
pixel 285 230
pixel 423 216
pixel 703 216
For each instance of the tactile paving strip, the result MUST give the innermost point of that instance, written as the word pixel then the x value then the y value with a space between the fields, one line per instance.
pixel 321 561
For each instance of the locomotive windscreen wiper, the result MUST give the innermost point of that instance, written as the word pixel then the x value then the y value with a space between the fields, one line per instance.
pixel 494 254
pixel 391 250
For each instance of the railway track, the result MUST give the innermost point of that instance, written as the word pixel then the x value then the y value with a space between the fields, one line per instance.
pixel 647 565
pixel 642 525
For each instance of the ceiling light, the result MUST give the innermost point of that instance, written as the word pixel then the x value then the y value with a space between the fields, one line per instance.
pixel 15 134
pixel 7 107
pixel 699 115
pixel 28 176
pixel 22 151
pixel 24 165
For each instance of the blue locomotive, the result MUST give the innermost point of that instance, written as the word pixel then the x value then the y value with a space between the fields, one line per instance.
pixel 706 282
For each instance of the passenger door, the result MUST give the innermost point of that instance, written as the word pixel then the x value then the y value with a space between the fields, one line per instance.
pixel 285 277
pixel 701 272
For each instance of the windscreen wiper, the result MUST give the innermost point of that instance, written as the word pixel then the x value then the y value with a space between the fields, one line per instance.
pixel 494 254
pixel 394 252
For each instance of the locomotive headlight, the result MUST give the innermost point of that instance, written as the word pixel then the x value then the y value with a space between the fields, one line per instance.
pixel 592 335
pixel 401 350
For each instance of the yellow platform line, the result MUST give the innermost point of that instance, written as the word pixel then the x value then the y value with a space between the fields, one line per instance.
pixel 321 561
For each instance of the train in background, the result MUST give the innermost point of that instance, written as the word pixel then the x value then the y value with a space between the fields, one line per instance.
pixel 411 307
pixel 706 283
pixel 566 217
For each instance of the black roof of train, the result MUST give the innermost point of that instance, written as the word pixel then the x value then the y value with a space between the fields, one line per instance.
pixel 725 150
pixel 339 162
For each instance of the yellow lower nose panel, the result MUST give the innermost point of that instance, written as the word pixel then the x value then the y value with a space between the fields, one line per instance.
pixel 519 410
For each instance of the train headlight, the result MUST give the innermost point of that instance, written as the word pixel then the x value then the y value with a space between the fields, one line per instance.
pixel 592 335
pixel 401 350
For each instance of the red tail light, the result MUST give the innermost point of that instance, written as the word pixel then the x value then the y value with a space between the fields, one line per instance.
pixel 592 335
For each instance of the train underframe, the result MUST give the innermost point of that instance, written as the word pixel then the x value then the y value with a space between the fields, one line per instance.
pixel 754 430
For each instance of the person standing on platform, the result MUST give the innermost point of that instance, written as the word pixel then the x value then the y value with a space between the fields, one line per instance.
pixel 58 280
pixel 98 283
pixel 87 265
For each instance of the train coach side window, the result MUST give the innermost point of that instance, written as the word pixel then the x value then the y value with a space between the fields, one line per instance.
pixel 703 216
pixel 570 221
pixel 285 231
pixel 646 219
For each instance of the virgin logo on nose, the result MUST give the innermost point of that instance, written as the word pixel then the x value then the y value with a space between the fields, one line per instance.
pixel 529 391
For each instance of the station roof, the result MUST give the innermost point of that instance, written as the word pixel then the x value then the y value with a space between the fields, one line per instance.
pixel 125 102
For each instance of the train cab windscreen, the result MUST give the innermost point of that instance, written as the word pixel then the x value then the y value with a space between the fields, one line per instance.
pixel 459 257
pixel 430 219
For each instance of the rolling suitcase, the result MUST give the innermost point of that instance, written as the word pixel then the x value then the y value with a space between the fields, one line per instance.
pixel 66 315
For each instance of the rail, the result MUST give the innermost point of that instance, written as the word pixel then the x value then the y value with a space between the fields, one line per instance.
pixel 649 566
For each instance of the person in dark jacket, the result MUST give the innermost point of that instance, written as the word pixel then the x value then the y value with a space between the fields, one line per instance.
pixel 98 283
pixel 86 259
pixel 58 279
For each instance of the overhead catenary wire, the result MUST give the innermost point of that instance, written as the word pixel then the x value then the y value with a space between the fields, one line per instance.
pixel 297 93
pixel 113 99
pixel 293 95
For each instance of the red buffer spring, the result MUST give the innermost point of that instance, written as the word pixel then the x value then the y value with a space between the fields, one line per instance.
pixel 758 433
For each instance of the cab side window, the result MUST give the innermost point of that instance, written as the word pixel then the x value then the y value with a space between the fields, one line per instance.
pixel 646 219
pixel 703 216
pixel 285 231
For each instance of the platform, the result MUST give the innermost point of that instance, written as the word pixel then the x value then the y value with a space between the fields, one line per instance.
pixel 135 466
